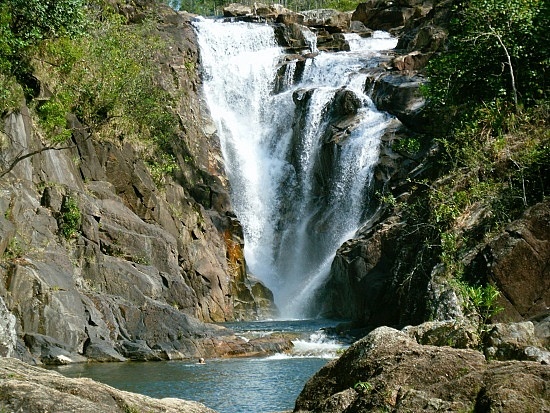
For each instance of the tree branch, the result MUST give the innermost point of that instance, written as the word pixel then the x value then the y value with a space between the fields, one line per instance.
pixel 509 58
pixel 19 157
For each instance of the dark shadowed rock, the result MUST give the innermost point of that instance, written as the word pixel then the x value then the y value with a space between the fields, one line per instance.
pixel 516 260
pixel 400 95
pixel 386 15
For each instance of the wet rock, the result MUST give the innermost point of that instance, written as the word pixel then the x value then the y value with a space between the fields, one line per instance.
pixel 399 95
pixel 51 351
pixel 29 389
pixel 103 352
pixel 293 37
pixel 359 285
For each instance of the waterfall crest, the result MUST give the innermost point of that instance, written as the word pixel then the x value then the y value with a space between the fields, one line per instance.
pixel 298 187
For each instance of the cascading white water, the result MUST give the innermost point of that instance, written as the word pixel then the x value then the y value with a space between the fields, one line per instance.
pixel 294 217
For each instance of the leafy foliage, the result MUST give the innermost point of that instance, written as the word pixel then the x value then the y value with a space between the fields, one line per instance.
pixel 108 79
pixel 25 23
pixel 481 300
pixel 497 48
pixel 70 217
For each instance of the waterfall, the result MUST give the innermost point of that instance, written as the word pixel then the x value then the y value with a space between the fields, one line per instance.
pixel 298 191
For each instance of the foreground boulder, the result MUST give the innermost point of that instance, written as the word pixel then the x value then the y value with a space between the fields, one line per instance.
pixel 24 388
pixel 390 371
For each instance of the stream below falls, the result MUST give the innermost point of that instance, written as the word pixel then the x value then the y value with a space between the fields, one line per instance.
pixel 238 385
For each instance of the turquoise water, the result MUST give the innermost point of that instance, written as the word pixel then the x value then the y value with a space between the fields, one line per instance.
pixel 251 385
pixel 228 386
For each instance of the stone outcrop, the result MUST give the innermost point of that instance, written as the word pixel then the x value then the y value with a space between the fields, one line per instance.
pixel 29 389
pixel 516 261
pixel 515 341
pixel 147 264
pixel 373 280
pixel 388 370
pixel 399 95
pixel 387 15
pixel 330 20
pixel 8 335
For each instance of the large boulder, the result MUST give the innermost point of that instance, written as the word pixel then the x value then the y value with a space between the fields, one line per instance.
pixel 401 96
pixel 388 370
pixel 237 10
pixel 331 20
pixel 514 341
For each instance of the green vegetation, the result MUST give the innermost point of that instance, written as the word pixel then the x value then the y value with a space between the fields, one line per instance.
pixel 363 386
pixel 70 218
pixel 407 146
pixel 481 301
pixel 23 26
pixel 490 90
pixel 488 97
pixel 498 52
pixel 14 250
pixel 94 64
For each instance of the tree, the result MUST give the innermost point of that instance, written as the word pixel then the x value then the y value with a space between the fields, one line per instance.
pixel 498 49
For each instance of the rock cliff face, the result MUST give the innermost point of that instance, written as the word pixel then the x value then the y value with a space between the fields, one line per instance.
pixel 148 265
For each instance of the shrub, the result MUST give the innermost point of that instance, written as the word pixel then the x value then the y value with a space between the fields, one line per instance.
pixel 70 218
pixel 108 78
